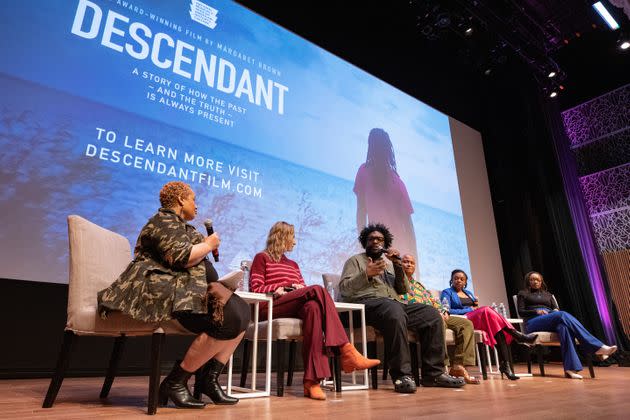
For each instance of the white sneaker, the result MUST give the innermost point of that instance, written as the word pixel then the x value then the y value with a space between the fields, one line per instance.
pixel 571 374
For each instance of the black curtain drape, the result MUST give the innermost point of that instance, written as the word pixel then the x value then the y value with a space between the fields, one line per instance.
pixel 534 225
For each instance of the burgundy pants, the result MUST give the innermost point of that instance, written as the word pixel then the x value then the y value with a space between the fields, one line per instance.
pixel 320 324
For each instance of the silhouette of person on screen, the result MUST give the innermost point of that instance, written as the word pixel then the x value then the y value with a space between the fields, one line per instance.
pixel 382 196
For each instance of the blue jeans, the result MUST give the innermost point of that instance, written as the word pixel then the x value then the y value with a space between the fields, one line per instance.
pixel 568 329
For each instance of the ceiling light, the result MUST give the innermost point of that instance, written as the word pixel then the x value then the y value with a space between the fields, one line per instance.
pixel 605 14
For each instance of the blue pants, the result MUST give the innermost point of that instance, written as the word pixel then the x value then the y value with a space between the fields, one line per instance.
pixel 568 329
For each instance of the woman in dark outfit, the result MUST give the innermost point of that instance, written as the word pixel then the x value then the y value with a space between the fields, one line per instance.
pixel 170 277
pixel 541 313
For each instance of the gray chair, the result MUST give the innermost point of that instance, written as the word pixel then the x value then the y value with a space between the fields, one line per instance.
pixel 284 330
pixel 97 257
pixel 546 339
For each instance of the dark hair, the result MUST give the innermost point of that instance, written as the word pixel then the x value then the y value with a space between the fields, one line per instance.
pixel 457 270
pixel 543 285
pixel 374 227
pixel 378 138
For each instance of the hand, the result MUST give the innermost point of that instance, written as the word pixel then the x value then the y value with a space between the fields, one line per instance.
pixel 219 291
pixel 213 241
pixel 297 286
pixel 375 268
pixel 394 256
pixel 541 312
pixel 280 291
pixel 445 315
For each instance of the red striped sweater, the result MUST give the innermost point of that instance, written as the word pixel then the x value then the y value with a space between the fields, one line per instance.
pixel 266 275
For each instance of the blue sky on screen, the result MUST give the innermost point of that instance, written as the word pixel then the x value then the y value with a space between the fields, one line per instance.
pixel 65 86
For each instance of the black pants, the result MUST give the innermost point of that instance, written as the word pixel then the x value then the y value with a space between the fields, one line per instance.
pixel 392 319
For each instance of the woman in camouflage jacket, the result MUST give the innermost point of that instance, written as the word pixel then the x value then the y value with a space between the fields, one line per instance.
pixel 170 277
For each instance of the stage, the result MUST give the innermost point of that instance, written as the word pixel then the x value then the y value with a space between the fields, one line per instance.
pixel 547 397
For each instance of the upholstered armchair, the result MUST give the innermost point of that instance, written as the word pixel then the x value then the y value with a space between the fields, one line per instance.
pixel 97 256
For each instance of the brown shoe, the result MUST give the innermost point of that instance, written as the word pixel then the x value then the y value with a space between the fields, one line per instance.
pixel 461 372
pixel 352 360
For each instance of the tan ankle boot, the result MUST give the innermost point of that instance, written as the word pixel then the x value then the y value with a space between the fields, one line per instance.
pixel 352 360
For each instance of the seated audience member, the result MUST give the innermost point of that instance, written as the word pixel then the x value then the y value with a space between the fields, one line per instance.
pixel 462 327
pixel 378 282
pixel 273 272
pixel 541 313
pixel 498 331
pixel 170 277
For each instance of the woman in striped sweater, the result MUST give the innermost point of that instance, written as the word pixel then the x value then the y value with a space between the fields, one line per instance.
pixel 273 272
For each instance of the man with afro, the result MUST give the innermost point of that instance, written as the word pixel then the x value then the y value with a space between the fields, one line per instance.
pixel 376 279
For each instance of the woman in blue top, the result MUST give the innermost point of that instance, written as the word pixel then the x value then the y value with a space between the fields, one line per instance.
pixel 498 332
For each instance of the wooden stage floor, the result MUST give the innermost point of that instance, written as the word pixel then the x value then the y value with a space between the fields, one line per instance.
pixel 543 398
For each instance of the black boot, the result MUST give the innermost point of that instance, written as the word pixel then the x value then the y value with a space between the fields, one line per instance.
pixel 527 339
pixel 207 382
pixel 506 370
pixel 504 357
pixel 175 388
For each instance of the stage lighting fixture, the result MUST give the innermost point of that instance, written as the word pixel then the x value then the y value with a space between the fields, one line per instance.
pixel 469 31
pixel 553 94
pixel 605 14
pixel 623 41
pixel 551 74
pixel 443 20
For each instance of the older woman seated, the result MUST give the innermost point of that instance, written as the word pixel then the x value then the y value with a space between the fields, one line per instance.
pixel 498 331
pixel 540 311
pixel 170 277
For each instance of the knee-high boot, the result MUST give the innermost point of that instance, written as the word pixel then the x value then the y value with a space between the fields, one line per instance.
pixel 527 339
pixel 504 365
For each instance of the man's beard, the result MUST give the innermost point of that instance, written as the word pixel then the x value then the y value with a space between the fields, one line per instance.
pixel 374 253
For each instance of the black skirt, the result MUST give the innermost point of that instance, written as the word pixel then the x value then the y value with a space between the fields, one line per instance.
pixel 236 315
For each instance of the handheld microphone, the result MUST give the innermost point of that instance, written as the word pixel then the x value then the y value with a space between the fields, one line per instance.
pixel 208 224
pixel 385 251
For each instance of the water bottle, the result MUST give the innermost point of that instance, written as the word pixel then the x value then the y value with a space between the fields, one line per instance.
pixel 494 306
pixel 330 289
pixel 502 310
pixel 446 305
pixel 245 268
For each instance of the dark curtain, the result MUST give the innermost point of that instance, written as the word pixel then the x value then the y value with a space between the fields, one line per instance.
pixel 534 223
pixel 593 263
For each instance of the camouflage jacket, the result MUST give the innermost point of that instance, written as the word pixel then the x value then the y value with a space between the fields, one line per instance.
pixel 156 283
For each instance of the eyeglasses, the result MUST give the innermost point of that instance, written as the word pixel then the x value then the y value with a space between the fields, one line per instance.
pixel 377 239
